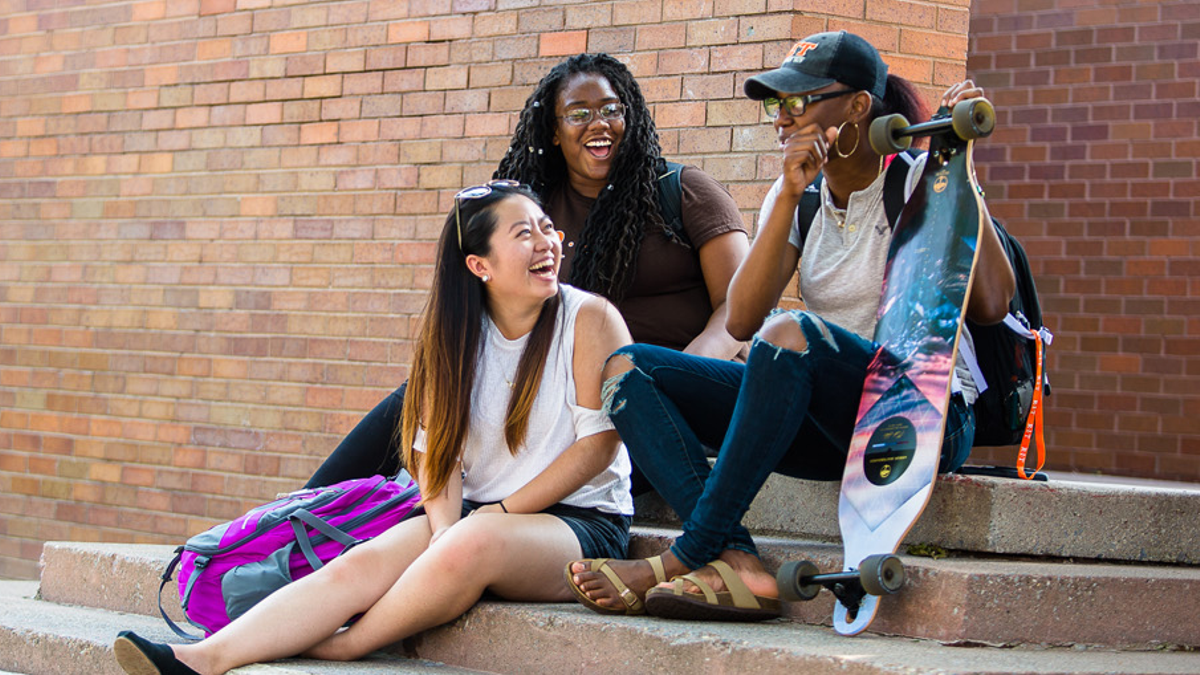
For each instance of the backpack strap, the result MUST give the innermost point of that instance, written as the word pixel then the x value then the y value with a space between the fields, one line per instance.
pixel 1033 426
pixel 304 517
pixel 894 182
pixel 166 577
pixel 810 203
pixel 670 202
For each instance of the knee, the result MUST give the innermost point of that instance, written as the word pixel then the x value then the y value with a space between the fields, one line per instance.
pixel 616 368
pixel 783 330
pixel 618 364
pixel 470 541
pixel 346 571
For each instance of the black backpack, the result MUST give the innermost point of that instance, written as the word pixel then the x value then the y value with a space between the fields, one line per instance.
pixel 670 203
pixel 1006 357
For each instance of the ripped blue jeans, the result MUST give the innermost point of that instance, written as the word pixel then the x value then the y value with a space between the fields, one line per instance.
pixel 785 411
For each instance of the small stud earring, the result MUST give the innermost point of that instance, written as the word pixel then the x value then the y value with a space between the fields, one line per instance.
pixel 485 278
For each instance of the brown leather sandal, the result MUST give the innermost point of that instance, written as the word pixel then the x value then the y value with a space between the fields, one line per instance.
pixel 633 603
pixel 736 603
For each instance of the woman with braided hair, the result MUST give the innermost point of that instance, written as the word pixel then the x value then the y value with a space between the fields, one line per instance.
pixel 587 144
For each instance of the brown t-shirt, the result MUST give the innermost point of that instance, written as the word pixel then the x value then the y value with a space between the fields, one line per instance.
pixel 667 304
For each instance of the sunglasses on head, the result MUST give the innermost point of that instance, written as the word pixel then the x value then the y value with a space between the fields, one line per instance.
pixel 477 192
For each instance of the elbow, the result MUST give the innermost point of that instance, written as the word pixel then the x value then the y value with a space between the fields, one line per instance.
pixel 988 313
pixel 741 328
pixel 990 308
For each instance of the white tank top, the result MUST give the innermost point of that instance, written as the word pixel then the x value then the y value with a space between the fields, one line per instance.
pixel 490 471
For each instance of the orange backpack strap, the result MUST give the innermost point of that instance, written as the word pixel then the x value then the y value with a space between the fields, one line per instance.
pixel 1034 423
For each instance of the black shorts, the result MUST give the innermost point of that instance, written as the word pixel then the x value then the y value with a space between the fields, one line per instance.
pixel 600 534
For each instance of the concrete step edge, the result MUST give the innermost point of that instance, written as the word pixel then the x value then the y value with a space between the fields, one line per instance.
pixel 954 599
pixel 1004 600
pixel 1059 518
pixel 42 638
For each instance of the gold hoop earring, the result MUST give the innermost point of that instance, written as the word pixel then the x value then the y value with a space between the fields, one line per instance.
pixel 837 144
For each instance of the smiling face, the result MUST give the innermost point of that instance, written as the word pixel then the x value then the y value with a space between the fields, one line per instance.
pixel 588 149
pixel 524 252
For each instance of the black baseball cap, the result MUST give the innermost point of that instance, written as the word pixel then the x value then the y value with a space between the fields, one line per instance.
pixel 819 61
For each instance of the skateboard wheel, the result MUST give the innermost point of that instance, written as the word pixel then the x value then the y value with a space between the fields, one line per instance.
pixel 882 134
pixel 881 574
pixel 973 118
pixel 788 581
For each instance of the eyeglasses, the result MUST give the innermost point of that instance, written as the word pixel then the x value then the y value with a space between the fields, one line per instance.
pixel 477 192
pixel 796 105
pixel 609 112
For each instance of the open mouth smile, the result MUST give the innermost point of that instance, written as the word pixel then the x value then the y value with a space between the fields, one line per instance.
pixel 544 269
pixel 600 148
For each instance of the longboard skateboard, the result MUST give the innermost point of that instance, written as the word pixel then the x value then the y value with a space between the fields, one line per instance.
pixel 896 446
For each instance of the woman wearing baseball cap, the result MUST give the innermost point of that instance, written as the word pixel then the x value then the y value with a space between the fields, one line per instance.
pixel 792 406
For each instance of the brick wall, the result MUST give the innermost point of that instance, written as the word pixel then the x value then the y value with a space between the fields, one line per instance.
pixel 217 216
pixel 1093 165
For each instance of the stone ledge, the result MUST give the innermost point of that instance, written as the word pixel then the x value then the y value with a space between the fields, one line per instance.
pixel 1058 518
pixel 1006 601
pixel 42 638
pixel 998 601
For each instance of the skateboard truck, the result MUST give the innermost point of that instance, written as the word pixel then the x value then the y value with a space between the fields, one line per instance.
pixel 881 574
pixel 969 119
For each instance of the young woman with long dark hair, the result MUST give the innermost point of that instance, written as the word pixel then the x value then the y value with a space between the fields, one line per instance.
pixel 519 468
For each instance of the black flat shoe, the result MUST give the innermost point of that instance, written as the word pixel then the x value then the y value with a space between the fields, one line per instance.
pixel 139 656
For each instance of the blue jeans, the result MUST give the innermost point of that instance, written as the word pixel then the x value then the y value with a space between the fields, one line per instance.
pixel 785 411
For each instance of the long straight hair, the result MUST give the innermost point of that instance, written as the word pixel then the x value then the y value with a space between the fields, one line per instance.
pixel 450 344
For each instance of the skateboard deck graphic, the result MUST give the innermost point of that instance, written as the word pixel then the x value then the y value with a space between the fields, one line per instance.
pixel 896 446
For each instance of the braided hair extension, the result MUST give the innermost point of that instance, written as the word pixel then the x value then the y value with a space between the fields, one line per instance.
pixel 627 208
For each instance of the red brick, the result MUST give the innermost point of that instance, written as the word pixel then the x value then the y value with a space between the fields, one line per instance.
pixel 638 12
pixel 288 43
pixel 563 43
pixel 408 31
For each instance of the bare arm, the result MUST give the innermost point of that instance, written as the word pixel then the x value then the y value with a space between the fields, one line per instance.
pixel 719 259
pixel 444 509
pixel 599 331
pixel 759 281
pixel 994 283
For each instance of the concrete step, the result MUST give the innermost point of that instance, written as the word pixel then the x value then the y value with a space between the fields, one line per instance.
pixel 997 600
pixel 959 599
pixel 44 638
pixel 1074 518
pixel 39 637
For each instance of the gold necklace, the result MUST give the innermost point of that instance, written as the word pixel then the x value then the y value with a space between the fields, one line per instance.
pixel 839 217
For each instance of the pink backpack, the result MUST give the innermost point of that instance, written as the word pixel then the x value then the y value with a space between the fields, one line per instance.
pixel 228 569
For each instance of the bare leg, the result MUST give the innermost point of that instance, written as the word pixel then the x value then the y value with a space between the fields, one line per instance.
pixel 519 557
pixel 308 611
